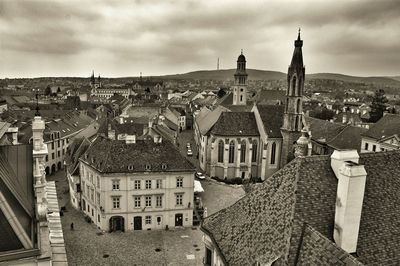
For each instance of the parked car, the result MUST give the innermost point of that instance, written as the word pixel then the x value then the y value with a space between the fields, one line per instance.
pixel 189 152
pixel 200 175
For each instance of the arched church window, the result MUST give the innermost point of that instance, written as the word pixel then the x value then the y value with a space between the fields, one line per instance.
pixel 298 105
pixel 231 152
pixel 273 152
pixel 220 151
pixel 254 152
pixel 294 85
pixel 243 152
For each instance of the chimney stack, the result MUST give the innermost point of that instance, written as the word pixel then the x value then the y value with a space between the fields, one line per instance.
pixel 349 199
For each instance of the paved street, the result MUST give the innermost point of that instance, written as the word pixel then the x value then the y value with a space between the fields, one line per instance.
pixel 85 245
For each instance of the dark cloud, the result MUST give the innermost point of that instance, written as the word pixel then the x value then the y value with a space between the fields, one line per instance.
pixel 122 38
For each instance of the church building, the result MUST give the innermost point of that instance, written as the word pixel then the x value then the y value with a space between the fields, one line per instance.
pixel 236 141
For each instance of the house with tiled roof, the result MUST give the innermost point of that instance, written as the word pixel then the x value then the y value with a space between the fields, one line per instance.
pixel 317 210
pixel 238 140
pixel 327 136
pixel 136 184
pixel 30 225
pixel 383 135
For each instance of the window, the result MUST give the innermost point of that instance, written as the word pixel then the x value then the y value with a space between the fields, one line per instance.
pixel 148 184
pixel 298 106
pixel 159 201
pixel 220 151
pixel 293 85
pixel 52 156
pixel 87 190
pixel 373 147
pixel 148 201
pixel 92 194
pixel 138 202
pixel 231 152
pixel 158 183
pixel 241 97
pixel 179 182
pixel 243 152
pixel 254 152
pixel 366 146
pixel 58 153
pixel 115 184
pixel 58 143
pixel 147 220
pixel 52 145
pixel 83 186
pixel 98 198
pixel 273 152
pixel 115 202
pixel 137 184
pixel 179 199
pixel 47 158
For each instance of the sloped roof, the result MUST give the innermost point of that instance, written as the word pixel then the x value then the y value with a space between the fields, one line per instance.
pixel 206 122
pixel 387 126
pixel 115 156
pixel 303 193
pixel 270 97
pixel 236 124
pixel 75 151
pixel 272 118
pixel 3 128
pixel 349 138
pixel 321 130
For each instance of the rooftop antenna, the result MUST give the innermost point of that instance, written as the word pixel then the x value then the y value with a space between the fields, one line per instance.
pixel 218 63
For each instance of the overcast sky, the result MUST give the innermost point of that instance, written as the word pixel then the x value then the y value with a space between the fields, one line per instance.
pixel 124 38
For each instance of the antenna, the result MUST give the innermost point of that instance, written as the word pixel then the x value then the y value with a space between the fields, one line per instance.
pixel 218 63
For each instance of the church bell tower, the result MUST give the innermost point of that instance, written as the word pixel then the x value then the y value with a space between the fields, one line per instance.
pixel 292 119
pixel 239 89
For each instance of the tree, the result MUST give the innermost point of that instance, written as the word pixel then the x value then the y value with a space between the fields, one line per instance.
pixel 47 90
pixel 322 113
pixel 378 106
pixel 221 93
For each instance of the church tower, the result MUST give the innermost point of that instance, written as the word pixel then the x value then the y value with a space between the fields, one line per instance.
pixel 240 87
pixel 292 119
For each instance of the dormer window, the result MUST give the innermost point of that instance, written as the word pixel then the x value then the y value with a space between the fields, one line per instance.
pixel 164 166
pixel 148 167
pixel 130 167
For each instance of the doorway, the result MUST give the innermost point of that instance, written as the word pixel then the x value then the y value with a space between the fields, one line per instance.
pixel 116 223
pixel 137 223
pixel 179 219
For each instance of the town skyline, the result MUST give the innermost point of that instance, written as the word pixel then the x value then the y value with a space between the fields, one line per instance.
pixel 121 40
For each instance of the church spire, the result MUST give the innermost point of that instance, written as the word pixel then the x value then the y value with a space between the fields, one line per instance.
pixel 240 87
pixel 292 119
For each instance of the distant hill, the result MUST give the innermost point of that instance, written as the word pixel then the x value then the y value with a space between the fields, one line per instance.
pixel 227 74
pixel 255 74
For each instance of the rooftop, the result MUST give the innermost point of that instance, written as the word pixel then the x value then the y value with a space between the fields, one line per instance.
pixel 388 125
pixel 236 124
pixel 272 118
pixel 115 156
pixel 291 216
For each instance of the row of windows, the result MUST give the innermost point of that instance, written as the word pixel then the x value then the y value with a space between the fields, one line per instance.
pixel 243 152
pixel 367 146
pixel 148 201
pixel 148 184
pixel 53 155
pixel 59 143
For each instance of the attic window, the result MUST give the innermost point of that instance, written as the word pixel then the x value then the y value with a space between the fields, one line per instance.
pixel 130 167
pixel 164 166
pixel 148 167
pixel 93 160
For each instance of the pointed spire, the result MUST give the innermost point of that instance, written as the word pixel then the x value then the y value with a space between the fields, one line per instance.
pixel 241 51
pixel 298 42
pixel 298 36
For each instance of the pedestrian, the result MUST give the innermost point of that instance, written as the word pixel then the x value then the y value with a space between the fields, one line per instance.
pixel 72 226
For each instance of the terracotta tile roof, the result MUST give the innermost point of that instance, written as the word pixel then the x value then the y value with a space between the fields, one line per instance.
pixel 388 125
pixel 269 222
pixel 236 124
pixel 206 122
pixel 115 156
pixel 272 118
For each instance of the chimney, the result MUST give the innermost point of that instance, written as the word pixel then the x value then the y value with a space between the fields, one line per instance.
pixel 344 118
pixel 349 199
pixel 157 139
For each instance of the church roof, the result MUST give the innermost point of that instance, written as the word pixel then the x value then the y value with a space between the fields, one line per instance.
pixel 236 124
pixel 272 118
pixel 291 216
pixel 206 122
pixel 321 130
pixel 388 125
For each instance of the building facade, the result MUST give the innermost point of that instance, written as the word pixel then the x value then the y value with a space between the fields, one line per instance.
pixel 153 189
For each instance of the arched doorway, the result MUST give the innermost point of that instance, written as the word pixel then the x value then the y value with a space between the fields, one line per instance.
pixel 59 166
pixel 53 169
pixel 116 223
pixel 47 170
